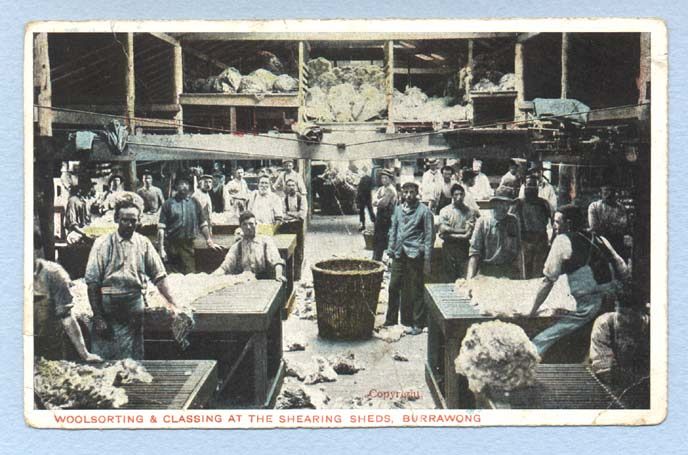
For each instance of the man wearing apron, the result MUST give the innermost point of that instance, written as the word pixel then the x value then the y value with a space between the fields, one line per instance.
pixel 572 253
pixel 495 248
pixel 119 266
pixel 385 200
pixel 255 254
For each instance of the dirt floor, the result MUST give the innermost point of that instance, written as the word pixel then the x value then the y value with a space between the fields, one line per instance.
pixel 392 361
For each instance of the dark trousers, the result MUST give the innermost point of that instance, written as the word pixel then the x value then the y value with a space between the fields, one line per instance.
pixel 406 292
pixel 381 236
pixel 535 250
pixel 180 256
pixel 454 259
pixel 363 204
pixel 124 337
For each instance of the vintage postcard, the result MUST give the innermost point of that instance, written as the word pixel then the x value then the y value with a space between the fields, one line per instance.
pixel 329 223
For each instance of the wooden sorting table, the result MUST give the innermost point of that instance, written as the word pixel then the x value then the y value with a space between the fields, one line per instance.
pixel 177 384
pixel 450 316
pixel 235 324
pixel 208 260
pixel 558 386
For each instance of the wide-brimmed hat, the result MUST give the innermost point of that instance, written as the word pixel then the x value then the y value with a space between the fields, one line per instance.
pixel 503 194
pixel 387 172
pixel 432 161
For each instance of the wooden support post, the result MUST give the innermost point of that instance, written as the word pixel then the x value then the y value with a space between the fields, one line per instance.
pixel 130 83
pixel 232 119
pixel 44 208
pixel 469 58
pixel 389 84
pixel 129 170
pixel 303 81
pixel 41 84
pixel 178 84
pixel 519 83
pixel 308 177
pixel 564 65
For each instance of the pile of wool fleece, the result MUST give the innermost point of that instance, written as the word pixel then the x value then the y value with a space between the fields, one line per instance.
pixel 511 298
pixel 185 289
pixel 231 81
pixel 66 385
pixel 506 83
pixel 346 93
pixel 414 105
pixel 497 355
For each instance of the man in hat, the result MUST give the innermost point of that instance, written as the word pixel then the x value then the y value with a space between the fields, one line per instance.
pixel 288 173
pixel 512 179
pixel 384 201
pixel 495 248
pixel 443 197
pixel 535 217
pixel 545 189
pixel 432 182
pixel 265 205
pixel 456 226
pixel 236 193
pixel 410 248
pixel 482 189
pixel 119 267
pixel 151 195
pixel 77 215
pixel 181 218
pixel 608 218
pixel 202 196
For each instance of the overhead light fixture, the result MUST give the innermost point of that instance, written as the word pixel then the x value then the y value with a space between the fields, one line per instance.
pixel 427 58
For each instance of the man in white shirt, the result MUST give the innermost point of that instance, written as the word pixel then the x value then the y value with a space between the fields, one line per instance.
pixel 264 204
pixel 236 193
pixel 288 174
pixel 482 189
pixel 202 195
pixel 255 254
pixel 432 181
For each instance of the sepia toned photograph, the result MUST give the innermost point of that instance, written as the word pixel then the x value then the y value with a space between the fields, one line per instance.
pixel 345 223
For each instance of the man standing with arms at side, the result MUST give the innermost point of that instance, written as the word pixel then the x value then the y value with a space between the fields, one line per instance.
pixel 456 226
pixel 151 195
pixel 534 216
pixel 384 200
pixel 295 214
pixel 431 183
pixel 236 193
pixel 410 248
pixel 364 197
pixel 181 218
pixel 119 266
pixel 202 196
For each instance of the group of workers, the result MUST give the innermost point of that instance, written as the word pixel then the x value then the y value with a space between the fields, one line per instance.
pixel 517 232
pixel 121 264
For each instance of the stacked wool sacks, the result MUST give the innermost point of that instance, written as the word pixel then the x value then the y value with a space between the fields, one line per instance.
pixel 346 93
pixel 231 81
pixel 67 385
pixel 414 105
pixel 513 298
pixel 498 356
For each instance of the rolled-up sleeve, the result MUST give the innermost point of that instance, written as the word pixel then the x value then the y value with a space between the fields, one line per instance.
pixel 59 286
pixel 229 262
pixel 277 209
pixel 155 268
pixel 272 255
pixel 561 251
pixel 601 350
pixel 477 239
pixel 95 266
pixel 428 235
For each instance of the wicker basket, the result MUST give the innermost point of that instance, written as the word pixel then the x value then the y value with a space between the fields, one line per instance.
pixel 346 295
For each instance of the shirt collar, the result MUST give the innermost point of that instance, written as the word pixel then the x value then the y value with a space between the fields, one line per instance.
pixel 121 239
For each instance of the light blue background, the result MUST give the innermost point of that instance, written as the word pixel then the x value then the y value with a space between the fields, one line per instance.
pixel 670 437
